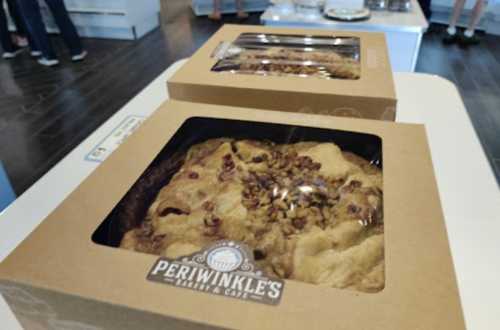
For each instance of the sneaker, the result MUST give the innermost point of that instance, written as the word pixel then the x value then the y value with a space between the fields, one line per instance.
pixel 79 57
pixel 465 41
pixel 48 62
pixel 449 39
pixel 35 53
pixel 13 54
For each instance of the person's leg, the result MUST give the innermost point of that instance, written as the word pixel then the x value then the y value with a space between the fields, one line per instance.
pixel 19 38
pixel 14 13
pixel 216 14
pixel 426 7
pixel 457 11
pixel 30 12
pixel 469 38
pixel 66 26
pixel 451 31
pixel 477 13
pixel 239 8
pixel 22 31
pixel 5 38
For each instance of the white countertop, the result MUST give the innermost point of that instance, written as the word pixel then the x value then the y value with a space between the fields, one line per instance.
pixel 467 186
pixel 382 21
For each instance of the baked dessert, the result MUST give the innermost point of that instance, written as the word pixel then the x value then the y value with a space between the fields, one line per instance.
pixel 281 61
pixel 309 211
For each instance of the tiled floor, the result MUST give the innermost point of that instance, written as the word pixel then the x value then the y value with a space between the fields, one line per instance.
pixel 45 113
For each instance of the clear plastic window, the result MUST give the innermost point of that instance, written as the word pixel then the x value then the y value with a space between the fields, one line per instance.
pixel 307 201
pixel 290 55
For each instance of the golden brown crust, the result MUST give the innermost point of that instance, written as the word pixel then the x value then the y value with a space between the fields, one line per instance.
pixel 309 211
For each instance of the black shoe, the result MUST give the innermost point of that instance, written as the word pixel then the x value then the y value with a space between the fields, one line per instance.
pixel 449 39
pixel 465 41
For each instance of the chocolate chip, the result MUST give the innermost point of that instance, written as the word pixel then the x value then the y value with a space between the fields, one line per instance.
pixel 351 208
pixel 259 254
pixel 257 159
pixel 234 148
pixel 193 175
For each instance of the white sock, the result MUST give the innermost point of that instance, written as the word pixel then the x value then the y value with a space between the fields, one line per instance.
pixel 469 33
pixel 451 30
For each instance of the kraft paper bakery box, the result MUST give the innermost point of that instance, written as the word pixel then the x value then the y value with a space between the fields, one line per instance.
pixel 210 217
pixel 339 73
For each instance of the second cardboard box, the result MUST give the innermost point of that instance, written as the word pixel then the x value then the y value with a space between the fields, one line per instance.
pixel 337 73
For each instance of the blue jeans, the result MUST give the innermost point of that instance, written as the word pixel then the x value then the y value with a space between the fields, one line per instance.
pixel 30 11
pixel 5 39
pixel 15 13
pixel 426 7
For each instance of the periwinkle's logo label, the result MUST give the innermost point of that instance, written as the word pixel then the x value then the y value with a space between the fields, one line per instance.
pixel 225 258
pixel 225 268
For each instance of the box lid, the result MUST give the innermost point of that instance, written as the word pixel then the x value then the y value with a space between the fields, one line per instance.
pixel 420 292
pixel 376 75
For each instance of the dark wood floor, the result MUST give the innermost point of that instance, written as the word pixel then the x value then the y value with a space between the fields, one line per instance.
pixel 476 73
pixel 45 113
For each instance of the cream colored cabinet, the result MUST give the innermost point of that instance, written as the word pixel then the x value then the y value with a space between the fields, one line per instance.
pixel 115 19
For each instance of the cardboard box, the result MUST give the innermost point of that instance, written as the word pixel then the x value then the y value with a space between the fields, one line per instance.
pixel 372 96
pixel 59 277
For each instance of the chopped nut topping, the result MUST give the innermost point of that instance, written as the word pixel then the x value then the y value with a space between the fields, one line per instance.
pixel 299 223
pixel 290 188
pixel 276 199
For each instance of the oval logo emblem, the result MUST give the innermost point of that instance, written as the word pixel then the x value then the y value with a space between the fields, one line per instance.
pixel 224 259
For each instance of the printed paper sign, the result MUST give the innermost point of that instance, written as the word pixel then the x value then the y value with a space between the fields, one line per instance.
pixel 226 268
pixel 114 139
